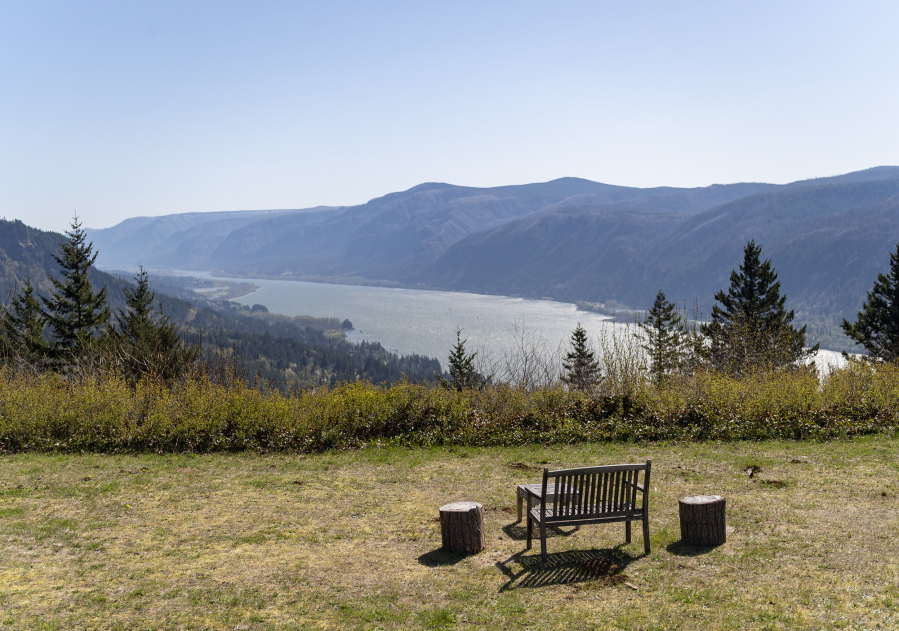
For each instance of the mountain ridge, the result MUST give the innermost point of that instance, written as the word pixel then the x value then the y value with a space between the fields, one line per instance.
pixel 570 238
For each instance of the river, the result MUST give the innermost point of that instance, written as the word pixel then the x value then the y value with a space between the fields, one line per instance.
pixel 418 321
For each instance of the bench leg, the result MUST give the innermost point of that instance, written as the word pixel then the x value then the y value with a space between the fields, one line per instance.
pixel 646 534
pixel 530 529
pixel 627 532
pixel 543 541
pixel 519 507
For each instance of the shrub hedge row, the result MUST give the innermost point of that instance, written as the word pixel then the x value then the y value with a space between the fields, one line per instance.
pixel 45 413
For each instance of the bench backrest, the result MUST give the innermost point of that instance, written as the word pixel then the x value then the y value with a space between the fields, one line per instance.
pixel 596 492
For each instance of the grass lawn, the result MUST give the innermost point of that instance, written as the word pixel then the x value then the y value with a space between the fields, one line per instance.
pixel 351 540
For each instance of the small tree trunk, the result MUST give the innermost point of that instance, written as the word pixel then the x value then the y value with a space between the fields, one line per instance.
pixel 702 520
pixel 462 527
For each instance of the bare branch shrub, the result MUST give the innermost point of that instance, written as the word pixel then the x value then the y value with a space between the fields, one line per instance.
pixel 530 363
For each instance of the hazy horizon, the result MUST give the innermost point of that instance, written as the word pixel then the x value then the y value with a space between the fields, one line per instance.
pixel 120 110
pixel 237 210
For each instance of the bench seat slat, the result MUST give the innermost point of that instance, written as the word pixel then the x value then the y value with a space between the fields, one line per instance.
pixel 570 519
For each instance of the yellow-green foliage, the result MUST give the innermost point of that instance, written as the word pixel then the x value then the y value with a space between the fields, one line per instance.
pixel 45 412
pixel 756 395
pixel 864 385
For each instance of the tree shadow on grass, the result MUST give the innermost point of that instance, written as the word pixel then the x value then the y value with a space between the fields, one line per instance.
pixel 605 567
pixel 440 557
pixel 681 549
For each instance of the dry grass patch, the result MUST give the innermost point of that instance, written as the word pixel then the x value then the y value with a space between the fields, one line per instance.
pixel 351 540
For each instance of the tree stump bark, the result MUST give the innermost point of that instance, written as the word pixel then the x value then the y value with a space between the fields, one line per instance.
pixel 702 520
pixel 462 527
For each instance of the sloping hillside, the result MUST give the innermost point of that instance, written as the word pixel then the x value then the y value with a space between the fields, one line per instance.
pixel 25 252
pixel 827 241
pixel 568 239
pixel 394 237
pixel 280 350
pixel 174 241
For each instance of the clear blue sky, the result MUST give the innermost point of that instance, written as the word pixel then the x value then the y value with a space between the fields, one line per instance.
pixel 117 109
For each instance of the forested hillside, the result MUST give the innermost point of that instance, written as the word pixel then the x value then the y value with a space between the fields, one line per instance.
pixel 25 252
pixel 828 243
pixel 174 241
pixel 298 352
pixel 280 350
pixel 569 239
pixel 391 238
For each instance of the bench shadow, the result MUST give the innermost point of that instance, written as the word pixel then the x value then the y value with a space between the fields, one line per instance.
pixel 440 557
pixel 516 530
pixel 562 568
pixel 519 531
pixel 681 549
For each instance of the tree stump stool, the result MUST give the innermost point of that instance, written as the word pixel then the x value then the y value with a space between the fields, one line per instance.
pixel 702 520
pixel 462 527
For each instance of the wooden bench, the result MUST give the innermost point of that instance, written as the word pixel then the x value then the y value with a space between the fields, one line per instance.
pixel 535 489
pixel 591 495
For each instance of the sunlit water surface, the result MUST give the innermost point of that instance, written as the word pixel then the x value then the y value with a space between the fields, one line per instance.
pixel 424 322
pixel 410 321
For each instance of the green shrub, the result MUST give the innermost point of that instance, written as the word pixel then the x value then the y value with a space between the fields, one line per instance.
pixel 46 413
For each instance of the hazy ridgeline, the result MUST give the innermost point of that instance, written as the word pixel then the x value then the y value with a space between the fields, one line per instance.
pixel 217 410
pixel 569 239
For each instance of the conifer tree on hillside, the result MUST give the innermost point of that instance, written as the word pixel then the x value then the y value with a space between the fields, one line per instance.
pixel 462 372
pixel 581 369
pixel 877 324
pixel 23 328
pixel 750 328
pixel 74 310
pixel 148 342
pixel 664 338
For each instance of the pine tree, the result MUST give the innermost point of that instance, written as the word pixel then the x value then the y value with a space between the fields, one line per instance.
pixel 751 329
pixel 74 310
pixel 23 327
pixel 581 369
pixel 664 338
pixel 462 372
pixel 877 325
pixel 148 341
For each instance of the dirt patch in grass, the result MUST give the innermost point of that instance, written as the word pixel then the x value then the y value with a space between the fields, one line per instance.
pixel 520 466
pixel 352 540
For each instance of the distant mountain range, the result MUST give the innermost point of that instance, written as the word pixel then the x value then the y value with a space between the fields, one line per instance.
pixel 569 239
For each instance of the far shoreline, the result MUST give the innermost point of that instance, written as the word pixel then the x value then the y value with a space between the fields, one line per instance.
pixel 617 314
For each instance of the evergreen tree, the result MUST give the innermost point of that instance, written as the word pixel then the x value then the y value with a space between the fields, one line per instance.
pixel 149 343
pixel 750 328
pixel 74 310
pixel 877 325
pixel 23 327
pixel 581 367
pixel 664 338
pixel 462 372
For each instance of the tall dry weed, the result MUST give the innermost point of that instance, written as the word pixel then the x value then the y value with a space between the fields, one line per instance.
pixel 623 364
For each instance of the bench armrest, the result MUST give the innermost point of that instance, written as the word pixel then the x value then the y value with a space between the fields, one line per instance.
pixel 639 486
pixel 535 494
